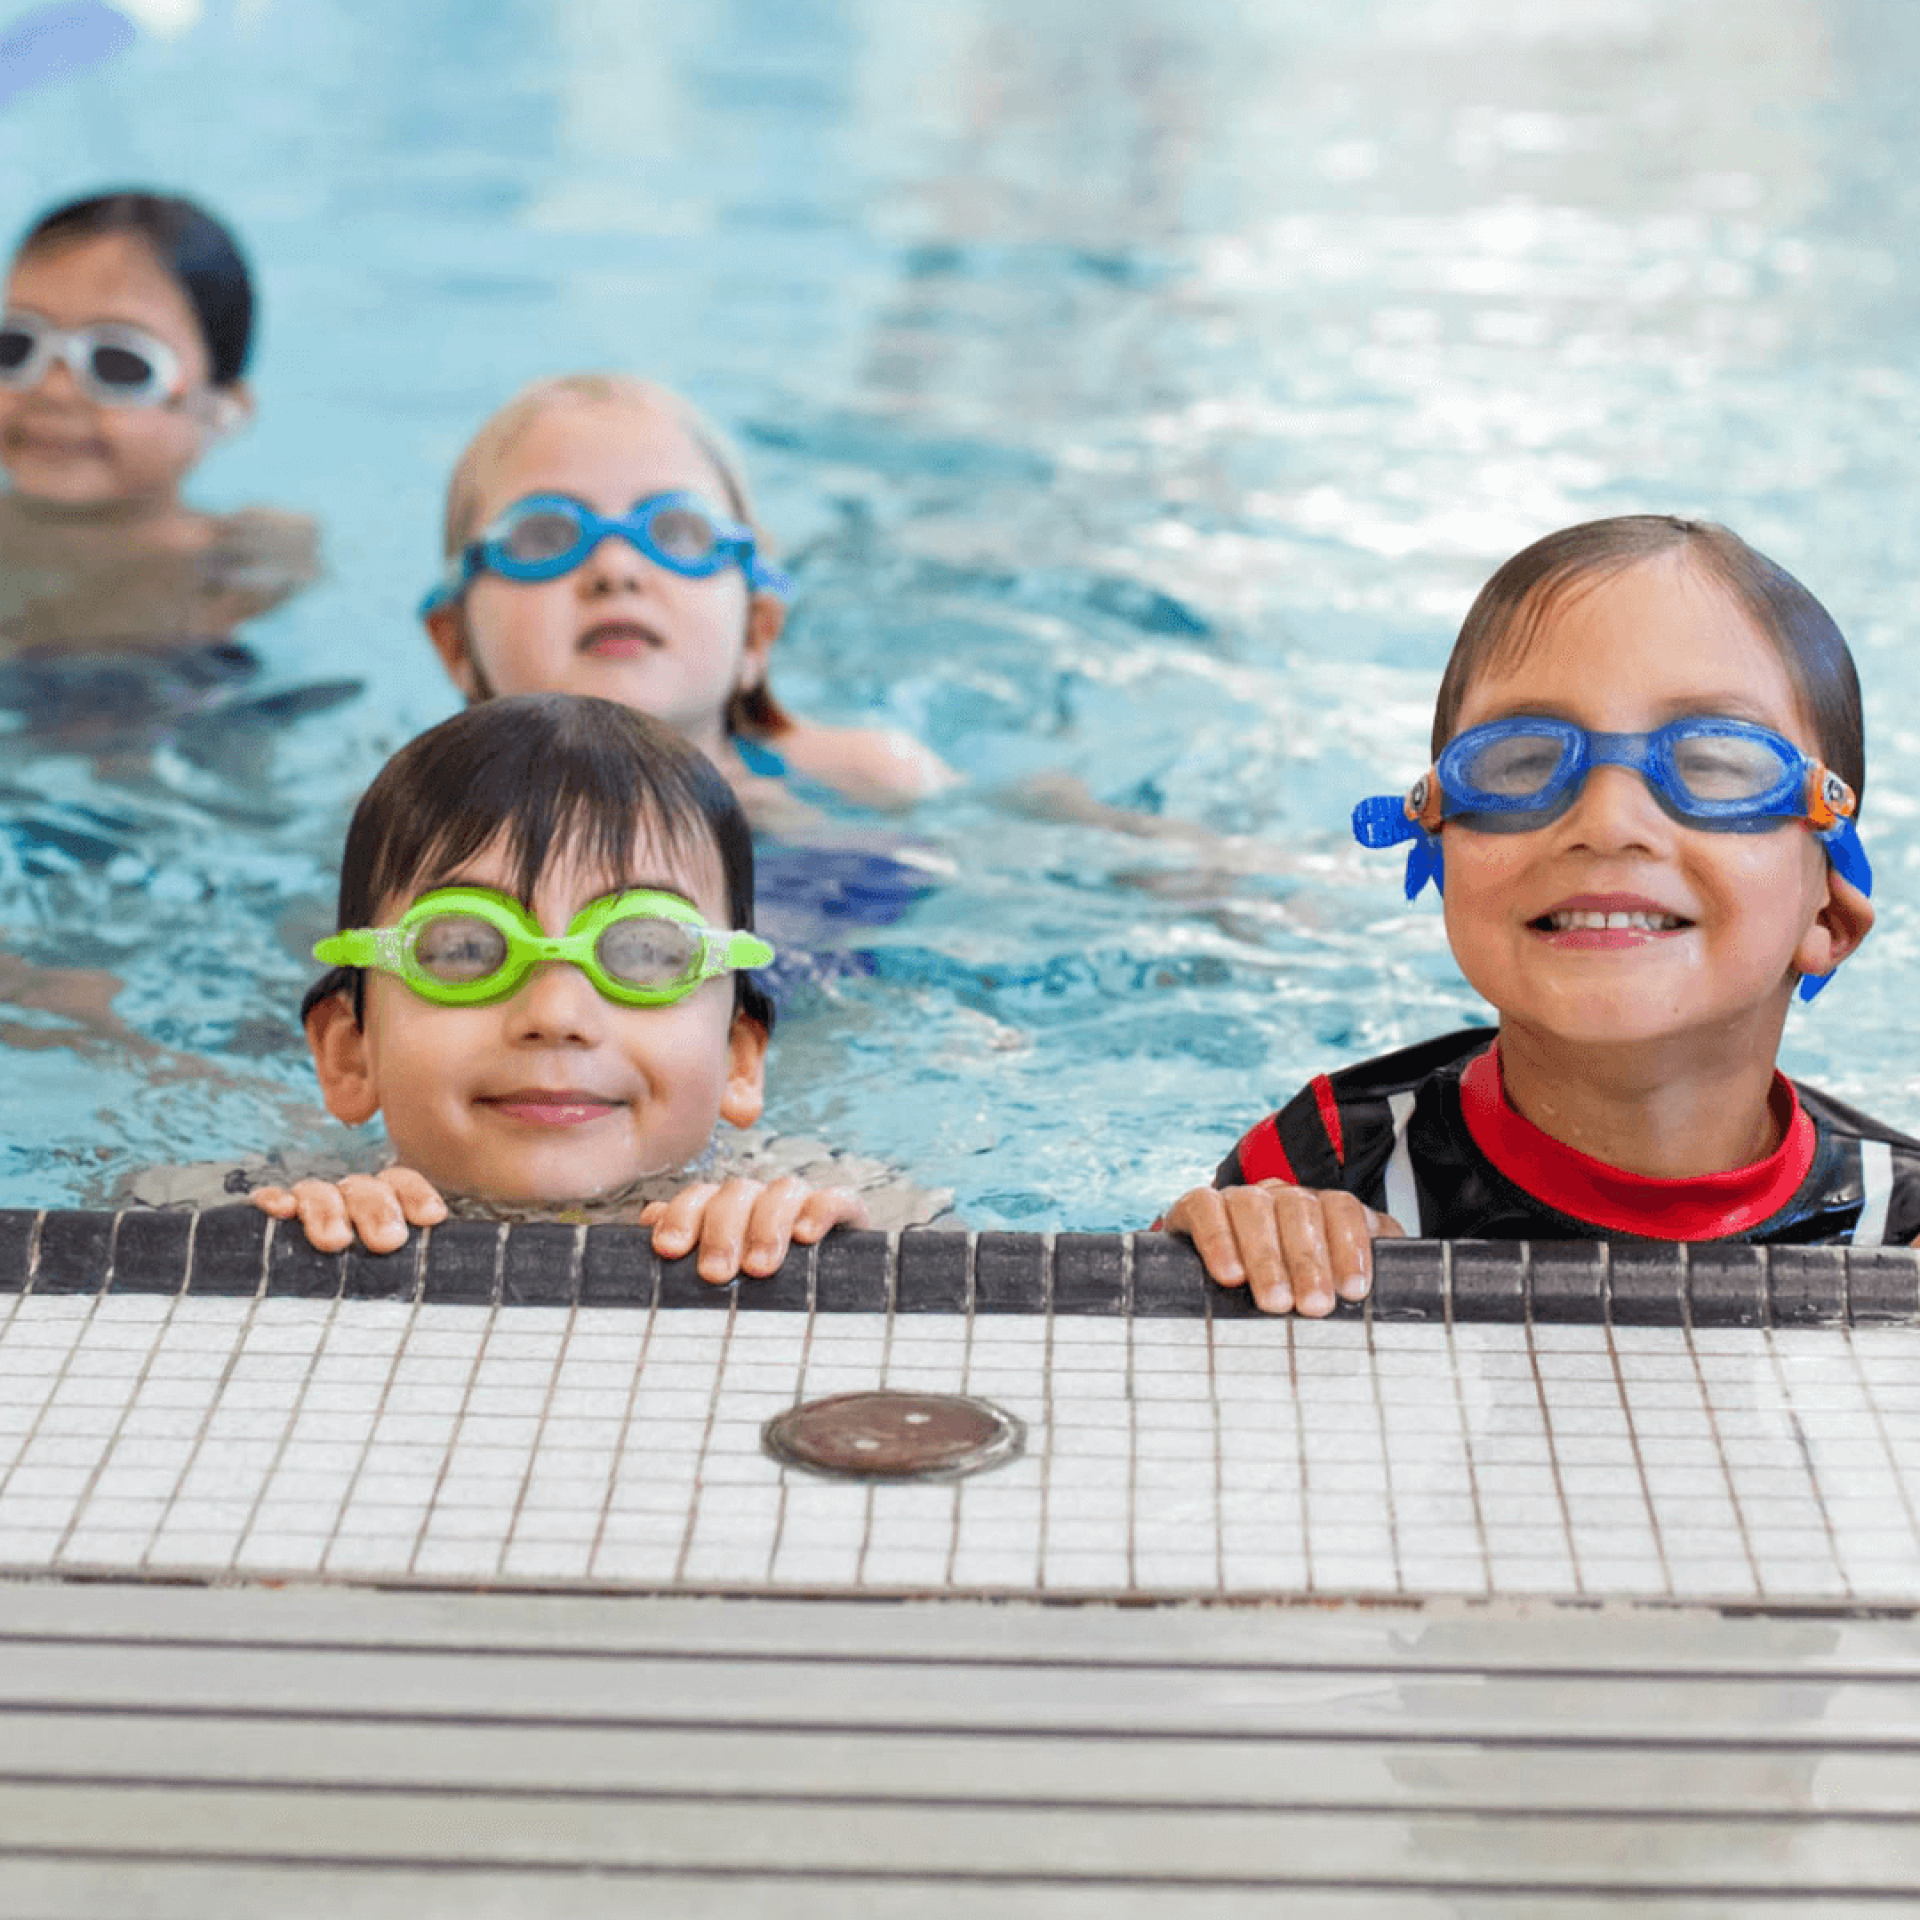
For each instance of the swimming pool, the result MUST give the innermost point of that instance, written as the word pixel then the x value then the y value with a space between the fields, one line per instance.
pixel 1141 396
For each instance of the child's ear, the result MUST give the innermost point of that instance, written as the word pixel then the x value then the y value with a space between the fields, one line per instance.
pixel 229 408
pixel 338 1043
pixel 447 629
pixel 746 1072
pixel 766 615
pixel 1838 928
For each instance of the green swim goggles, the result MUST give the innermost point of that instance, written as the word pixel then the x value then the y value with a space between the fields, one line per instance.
pixel 470 946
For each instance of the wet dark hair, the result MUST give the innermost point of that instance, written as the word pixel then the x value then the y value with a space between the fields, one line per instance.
pixel 1503 622
pixel 548 771
pixel 190 245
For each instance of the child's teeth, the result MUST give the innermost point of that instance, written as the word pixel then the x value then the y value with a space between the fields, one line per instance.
pixel 1591 921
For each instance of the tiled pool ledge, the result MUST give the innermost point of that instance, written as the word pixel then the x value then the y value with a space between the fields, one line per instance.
pixel 238 1253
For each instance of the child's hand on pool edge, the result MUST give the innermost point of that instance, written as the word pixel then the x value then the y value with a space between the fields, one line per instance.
pixel 746 1226
pixel 1297 1247
pixel 379 1207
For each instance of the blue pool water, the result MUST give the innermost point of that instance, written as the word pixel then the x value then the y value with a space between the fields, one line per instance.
pixel 1140 391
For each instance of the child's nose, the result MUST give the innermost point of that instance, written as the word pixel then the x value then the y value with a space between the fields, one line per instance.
pixel 558 1006
pixel 57 381
pixel 1616 811
pixel 615 565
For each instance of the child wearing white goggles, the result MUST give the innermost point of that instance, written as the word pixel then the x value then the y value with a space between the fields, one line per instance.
pixel 124 328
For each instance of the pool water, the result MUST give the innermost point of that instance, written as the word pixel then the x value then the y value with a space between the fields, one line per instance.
pixel 1140 392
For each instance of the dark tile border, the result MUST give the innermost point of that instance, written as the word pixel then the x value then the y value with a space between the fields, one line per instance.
pixel 237 1253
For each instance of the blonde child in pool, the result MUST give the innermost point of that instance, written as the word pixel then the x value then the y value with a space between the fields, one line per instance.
pixel 123 347
pixel 1648 756
pixel 600 539
pixel 519 1076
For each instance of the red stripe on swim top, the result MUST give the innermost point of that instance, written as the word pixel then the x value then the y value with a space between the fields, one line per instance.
pixel 1329 1114
pixel 1262 1157
pixel 1712 1206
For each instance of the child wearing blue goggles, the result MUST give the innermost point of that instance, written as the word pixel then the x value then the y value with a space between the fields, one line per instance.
pixel 1647 767
pixel 600 540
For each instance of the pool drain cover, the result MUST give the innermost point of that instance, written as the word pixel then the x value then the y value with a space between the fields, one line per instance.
pixel 895 1436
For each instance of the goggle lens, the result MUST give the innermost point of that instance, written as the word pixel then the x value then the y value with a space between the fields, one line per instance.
pixel 649 953
pixel 540 536
pixel 684 533
pixel 459 948
pixel 121 368
pixel 1725 767
pixel 16 348
pixel 1518 766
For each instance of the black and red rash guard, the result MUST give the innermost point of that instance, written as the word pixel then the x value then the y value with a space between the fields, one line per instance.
pixel 1429 1132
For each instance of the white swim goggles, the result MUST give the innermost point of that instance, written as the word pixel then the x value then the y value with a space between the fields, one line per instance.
pixel 118 366
pixel 469 946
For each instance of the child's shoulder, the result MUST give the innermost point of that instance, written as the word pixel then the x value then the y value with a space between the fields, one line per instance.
pixel 1340 1126
pixel 1406 1068
pixel 1850 1121
pixel 871 765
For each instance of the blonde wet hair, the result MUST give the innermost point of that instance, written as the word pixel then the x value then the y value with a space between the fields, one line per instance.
pixel 751 710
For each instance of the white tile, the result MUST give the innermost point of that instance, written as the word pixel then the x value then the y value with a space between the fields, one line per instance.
pixel 1092 1571
pixel 189 1546
pixel 801 1566
pixel 103 1547
pixel 995 1567
pixel 368 1553
pixel 294 1552
pixel 539 1559
pixel 641 1564
pixel 454 1557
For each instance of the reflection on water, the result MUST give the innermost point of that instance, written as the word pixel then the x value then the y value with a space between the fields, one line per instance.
pixel 1141 394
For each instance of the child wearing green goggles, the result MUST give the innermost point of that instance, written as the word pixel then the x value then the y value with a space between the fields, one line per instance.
pixel 542 985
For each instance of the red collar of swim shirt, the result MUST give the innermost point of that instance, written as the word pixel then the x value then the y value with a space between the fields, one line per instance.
pixel 1710 1206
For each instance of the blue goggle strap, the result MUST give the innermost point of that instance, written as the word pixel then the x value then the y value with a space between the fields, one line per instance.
pixel 1389 818
pixel 1848 859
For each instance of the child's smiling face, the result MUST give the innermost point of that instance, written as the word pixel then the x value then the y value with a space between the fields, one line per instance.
pixel 555 1094
pixel 617 625
pixel 1731 919
pixel 56 443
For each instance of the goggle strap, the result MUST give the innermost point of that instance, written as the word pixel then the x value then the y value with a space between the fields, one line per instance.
pixel 358 947
pixel 1387 819
pixel 741 951
pixel 1425 862
pixel 1383 821
pixel 1847 856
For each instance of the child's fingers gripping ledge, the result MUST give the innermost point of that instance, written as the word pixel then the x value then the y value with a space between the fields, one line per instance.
pixel 747 1226
pixel 1299 1249
pixel 378 1207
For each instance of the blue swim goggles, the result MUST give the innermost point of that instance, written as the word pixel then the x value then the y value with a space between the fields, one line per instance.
pixel 1511 776
pixel 548 534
